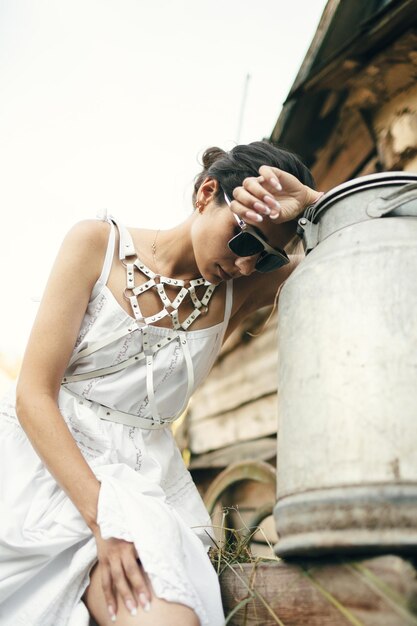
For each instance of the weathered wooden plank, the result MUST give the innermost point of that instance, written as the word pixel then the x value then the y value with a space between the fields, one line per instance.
pixel 258 450
pixel 395 126
pixel 381 591
pixel 251 421
pixel 344 153
pixel 245 374
pixel 334 74
pixel 371 167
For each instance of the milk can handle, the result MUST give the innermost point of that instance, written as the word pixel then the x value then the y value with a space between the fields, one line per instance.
pixel 384 205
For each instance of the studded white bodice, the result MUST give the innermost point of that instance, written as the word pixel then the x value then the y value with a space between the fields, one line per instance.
pixel 126 362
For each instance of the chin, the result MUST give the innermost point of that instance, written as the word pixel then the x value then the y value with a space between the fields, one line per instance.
pixel 213 279
pixel 210 276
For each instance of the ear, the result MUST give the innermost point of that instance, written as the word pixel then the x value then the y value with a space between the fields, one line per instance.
pixel 208 190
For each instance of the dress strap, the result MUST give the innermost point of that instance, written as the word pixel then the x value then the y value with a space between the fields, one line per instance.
pixel 126 247
pixel 229 302
pixel 108 260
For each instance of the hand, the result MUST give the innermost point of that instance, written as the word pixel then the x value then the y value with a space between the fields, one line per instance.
pixel 121 574
pixel 275 194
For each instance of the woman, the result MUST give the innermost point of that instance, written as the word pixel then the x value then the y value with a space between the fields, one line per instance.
pixel 96 502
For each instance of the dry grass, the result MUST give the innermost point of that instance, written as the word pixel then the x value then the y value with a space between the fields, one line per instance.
pixel 233 550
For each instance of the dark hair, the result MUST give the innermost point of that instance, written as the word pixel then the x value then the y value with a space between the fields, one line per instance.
pixel 231 168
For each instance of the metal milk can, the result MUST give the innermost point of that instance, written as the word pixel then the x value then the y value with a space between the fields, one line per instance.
pixel 347 374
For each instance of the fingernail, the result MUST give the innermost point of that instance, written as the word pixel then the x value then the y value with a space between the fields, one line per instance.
pixel 251 215
pixel 259 206
pixel 274 215
pixel 144 602
pixel 131 607
pixel 275 184
pixel 262 207
pixel 276 203
pixel 272 202
pixel 111 613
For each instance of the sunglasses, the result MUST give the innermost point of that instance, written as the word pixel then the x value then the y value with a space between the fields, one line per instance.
pixel 248 242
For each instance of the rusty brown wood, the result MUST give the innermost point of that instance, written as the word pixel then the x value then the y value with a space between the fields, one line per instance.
pixel 376 592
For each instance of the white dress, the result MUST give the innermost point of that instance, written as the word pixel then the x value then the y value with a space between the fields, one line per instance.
pixel 147 495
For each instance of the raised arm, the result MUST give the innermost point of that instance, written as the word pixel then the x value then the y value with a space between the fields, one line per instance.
pixel 268 201
pixel 275 195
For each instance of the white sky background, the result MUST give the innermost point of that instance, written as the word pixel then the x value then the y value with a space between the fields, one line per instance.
pixel 107 103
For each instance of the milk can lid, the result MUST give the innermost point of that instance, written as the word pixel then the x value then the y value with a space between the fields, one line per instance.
pixel 381 179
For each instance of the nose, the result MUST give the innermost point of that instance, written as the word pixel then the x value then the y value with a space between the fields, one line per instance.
pixel 246 264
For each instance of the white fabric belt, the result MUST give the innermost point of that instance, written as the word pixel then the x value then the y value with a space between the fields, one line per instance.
pixel 111 415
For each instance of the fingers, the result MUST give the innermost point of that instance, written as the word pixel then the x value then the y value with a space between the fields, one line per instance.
pixel 274 194
pixel 271 177
pixel 122 587
pixel 122 575
pixel 106 583
pixel 137 581
pixel 253 200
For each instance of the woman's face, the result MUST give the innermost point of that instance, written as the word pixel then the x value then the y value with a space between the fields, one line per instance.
pixel 211 232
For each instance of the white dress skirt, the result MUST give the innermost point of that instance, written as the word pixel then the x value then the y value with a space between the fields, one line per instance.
pixel 147 495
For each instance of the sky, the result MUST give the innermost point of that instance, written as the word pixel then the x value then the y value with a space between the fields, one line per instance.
pixel 111 103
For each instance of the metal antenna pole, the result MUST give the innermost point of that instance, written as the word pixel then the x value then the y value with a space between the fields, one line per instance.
pixel 242 107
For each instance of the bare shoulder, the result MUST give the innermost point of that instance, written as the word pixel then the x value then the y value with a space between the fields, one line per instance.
pixel 63 305
pixel 86 243
pixel 89 233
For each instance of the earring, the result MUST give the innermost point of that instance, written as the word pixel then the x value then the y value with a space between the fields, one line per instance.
pixel 199 206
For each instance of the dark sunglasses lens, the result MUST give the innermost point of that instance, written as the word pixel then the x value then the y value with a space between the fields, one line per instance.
pixel 270 262
pixel 244 244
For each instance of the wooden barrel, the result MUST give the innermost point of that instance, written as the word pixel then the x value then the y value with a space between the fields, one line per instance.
pixel 347 380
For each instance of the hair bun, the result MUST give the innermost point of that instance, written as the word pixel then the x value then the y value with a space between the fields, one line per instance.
pixel 211 155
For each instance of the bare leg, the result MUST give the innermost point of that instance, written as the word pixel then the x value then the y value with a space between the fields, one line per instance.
pixel 162 613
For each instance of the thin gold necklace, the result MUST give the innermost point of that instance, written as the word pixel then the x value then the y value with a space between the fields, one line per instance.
pixel 154 252
pixel 154 257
